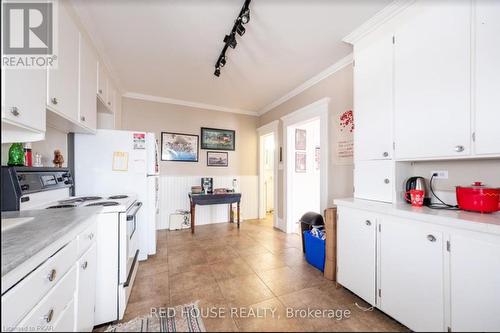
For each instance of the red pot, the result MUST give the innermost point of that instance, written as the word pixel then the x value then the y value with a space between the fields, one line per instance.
pixel 478 198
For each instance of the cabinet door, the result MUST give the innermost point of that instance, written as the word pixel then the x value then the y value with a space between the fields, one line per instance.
pixel 411 274
pixel 356 252
pixel 88 85
pixel 63 80
pixel 24 92
pixel 487 65
pixel 110 103
pixel 432 82
pixel 86 289
pixel 373 180
pixel 373 96
pixel 102 83
pixel 475 287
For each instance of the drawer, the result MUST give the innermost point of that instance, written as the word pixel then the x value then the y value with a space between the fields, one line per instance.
pixel 66 321
pixel 86 238
pixel 35 285
pixel 52 307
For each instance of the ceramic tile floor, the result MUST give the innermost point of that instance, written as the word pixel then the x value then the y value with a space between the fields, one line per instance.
pixel 257 270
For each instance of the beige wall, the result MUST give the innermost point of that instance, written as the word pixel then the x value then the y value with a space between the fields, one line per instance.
pixel 338 87
pixel 157 117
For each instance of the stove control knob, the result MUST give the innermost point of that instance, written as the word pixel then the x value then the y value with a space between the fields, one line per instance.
pixel 25 187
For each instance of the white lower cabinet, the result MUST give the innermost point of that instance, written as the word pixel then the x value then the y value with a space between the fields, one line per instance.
pixel 356 239
pixel 411 274
pixel 85 296
pixel 475 282
pixel 428 277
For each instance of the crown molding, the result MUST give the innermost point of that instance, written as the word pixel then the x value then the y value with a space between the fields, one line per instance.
pixel 347 60
pixel 166 100
pixel 377 20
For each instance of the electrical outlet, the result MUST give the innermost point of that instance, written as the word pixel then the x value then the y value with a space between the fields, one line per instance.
pixel 442 174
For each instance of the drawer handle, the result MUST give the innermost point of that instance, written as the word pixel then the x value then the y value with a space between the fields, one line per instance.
pixel 431 238
pixel 48 317
pixel 368 222
pixel 54 101
pixel 52 275
pixel 387 181
pixel 385 154
pixel 459 149
pixel 14 111
pixel 84 265
pixel 91 236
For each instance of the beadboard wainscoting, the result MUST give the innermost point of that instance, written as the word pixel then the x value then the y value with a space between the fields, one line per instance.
pixel 174 195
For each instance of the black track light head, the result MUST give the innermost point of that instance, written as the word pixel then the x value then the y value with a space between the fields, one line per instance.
pixel 217 71
pixel 222 61
pixel 231 40
pixel 240 29
pixel 245 17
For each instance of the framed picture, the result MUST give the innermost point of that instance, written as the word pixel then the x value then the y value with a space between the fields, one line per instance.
pixel 300 161
pixel 317 157
pixel 300 139
pixel 179 147
pixel 217 139
pixel 217 159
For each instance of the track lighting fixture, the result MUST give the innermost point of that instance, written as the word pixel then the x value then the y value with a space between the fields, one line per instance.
pixel 230 39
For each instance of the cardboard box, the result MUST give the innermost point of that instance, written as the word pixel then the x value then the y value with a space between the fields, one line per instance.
pixel 331 243
pixel 330 270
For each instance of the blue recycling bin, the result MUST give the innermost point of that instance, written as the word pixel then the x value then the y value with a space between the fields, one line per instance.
pixel 315 250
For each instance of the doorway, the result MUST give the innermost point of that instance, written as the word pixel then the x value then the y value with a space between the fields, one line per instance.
pixel 268 173
pixel 305 138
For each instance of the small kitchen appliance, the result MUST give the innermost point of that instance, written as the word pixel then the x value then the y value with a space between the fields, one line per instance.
pixel 478 198
pixel 416 183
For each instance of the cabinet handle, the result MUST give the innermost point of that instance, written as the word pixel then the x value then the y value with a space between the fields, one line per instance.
pixel 459 149
pixel 84 265
pixel 52 275
pixel 82 118
pixel 14 111
pixel 368 222
pixel 91 236
pixel 431 238
pixel 387 181
pixel 54 101
pixel 48 317
pixel 385 154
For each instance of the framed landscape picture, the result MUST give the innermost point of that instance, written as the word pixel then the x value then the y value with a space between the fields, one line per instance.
pixel 179 147
pixel 217 158
pixel 300 139
pixel 217 139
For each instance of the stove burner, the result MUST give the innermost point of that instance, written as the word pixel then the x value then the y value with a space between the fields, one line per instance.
pixel 104 203
pixel 61 206
pixel 121 196
pixel 78 200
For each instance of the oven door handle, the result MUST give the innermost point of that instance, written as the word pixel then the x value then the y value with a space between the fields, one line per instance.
pixel 134 210
pixel 129 277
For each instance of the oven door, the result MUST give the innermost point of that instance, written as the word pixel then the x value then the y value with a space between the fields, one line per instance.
pixel 130 244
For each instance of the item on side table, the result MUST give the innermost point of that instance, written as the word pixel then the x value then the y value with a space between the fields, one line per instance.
pixel 58 159
pixel 220 191
pixel 28 157
pixel 196 189
pixel 16 155
pixel 207 185
pixel 478 198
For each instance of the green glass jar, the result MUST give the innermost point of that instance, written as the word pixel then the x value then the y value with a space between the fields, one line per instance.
pixel 16 155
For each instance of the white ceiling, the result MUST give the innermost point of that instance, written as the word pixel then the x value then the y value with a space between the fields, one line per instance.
pixel 168 48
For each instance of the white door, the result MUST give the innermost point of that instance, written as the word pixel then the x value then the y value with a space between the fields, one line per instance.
pixel 373 180
pixel 356 252
pixel 85 299
pixel 432 82
pixel 475 286
pixel 63 80
pixel 373 106
pixel 411 274
pixel 88 85
pixel 487 62
pixel 24 93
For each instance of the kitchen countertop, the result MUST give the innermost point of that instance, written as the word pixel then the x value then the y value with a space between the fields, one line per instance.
pixel 487 223
pixel 22 242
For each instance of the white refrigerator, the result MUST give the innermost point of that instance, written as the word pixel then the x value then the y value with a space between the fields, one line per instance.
pixel 115 162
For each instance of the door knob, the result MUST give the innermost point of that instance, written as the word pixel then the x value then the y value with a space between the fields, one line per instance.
pixel 14 111
pixel 459 149
pixel 368 222
pixel 385 154
pixel 431 238
pixel 54 101
pixel 387 181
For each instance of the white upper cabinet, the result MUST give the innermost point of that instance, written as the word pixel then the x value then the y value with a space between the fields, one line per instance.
pixel 24 93
pixel 411 286
pixel 88 85
pixel 374 180
pixel 373 99
pixel 63 80
pixel 432 87
pixel 487 83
